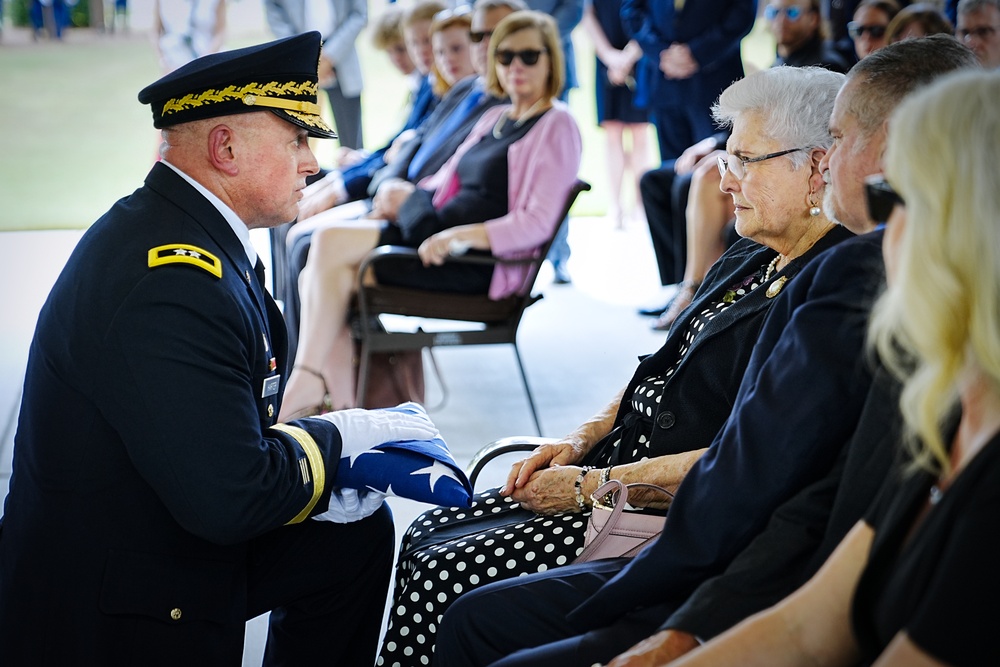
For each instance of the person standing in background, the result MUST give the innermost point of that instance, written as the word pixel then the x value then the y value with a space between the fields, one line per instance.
pixel 340 22
pixel 187 29
pixel 691 52
pixel 614 85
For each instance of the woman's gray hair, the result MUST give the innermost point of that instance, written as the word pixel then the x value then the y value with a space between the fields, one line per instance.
pixel 796 103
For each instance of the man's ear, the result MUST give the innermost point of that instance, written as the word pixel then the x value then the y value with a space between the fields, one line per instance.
pixel 221 139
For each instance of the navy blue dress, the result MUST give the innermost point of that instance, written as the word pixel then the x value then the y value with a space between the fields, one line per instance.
pixel 613 102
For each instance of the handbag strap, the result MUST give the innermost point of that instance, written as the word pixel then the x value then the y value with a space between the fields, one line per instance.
pixel 620 491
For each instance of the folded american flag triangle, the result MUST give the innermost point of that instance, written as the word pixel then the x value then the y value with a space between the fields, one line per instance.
pixel 422 470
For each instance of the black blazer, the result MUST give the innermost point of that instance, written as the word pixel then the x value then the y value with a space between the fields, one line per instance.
pixel 145 459
pixel 698 397
pixel 800 399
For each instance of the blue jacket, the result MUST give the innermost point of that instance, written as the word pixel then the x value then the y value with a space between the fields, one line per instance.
pixel 800 400
pixel 359 176
pixel 712 29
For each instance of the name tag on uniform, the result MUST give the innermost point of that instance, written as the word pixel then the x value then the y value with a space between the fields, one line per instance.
pixel 271 385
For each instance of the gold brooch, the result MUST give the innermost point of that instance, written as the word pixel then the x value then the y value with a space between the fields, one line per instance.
pixel 775 288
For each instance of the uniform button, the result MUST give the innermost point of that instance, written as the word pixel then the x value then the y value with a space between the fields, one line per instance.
pixel 665 419
pixel 270 409
pixel 175 614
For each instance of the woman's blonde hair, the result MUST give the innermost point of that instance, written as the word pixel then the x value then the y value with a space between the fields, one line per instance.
pixel 423 10
pixel 546 27
pixel 387 31
pixel 940 315
pixel 460 17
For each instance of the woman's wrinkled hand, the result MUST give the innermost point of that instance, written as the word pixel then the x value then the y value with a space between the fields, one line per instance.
pixel 390 198
pixel 545 456
pixel 550 491
pixel 438 247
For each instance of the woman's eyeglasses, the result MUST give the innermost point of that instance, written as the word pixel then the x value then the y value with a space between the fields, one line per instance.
pixel 881 198
pixel 737 164
pixel 857 30
pixel 477 36
pixel 793 13
pixel 527 56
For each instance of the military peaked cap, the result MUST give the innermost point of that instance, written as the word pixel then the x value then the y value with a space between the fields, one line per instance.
pixel 279 76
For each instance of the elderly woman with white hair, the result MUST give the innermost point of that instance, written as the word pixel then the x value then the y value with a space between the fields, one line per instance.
pixel 678 398
pixel 913 583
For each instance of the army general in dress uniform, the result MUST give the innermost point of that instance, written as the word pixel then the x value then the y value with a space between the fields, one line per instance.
pixel 155 506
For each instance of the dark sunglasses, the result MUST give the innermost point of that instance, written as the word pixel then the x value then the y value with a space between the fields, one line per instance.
pixel 881 198
pixel 772 12
pixel 527 56
pixel 856 30
pixel 477 36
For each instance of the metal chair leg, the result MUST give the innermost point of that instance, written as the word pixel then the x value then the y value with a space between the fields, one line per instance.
pixel 527 391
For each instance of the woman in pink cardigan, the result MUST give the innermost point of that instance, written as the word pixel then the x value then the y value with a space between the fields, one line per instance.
pixel 500 194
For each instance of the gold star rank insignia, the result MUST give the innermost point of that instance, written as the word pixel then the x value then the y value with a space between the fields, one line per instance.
pixel 181 253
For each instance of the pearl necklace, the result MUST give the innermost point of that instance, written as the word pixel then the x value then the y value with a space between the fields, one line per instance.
pixel 771 267
pixel 498 127
pixel 774 289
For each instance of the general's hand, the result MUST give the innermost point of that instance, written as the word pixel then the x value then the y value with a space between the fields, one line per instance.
pixel 361 430
pixel 555 454
pixel 660 649
pixel 347 505
pixel 550 491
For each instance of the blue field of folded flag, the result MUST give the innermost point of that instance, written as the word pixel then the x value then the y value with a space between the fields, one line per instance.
pixel 422 470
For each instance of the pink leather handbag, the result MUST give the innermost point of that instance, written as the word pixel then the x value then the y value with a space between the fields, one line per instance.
pixel 614 533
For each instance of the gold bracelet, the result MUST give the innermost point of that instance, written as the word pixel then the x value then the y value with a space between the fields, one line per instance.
pixel 578 486
pixel 605 478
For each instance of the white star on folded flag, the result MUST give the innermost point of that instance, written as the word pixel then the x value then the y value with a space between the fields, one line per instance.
pixel 422 470
pixel 354 457
pixel 436 471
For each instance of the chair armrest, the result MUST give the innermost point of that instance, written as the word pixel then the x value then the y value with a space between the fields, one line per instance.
pixel 386 251
pixel 517 443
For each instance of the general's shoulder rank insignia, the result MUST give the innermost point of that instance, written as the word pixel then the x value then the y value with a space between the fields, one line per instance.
pixel 181 253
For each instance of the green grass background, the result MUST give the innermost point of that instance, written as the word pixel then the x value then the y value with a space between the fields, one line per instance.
pixel 75 139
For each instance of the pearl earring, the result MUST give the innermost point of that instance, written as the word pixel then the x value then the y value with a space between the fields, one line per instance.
pixel 815 211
